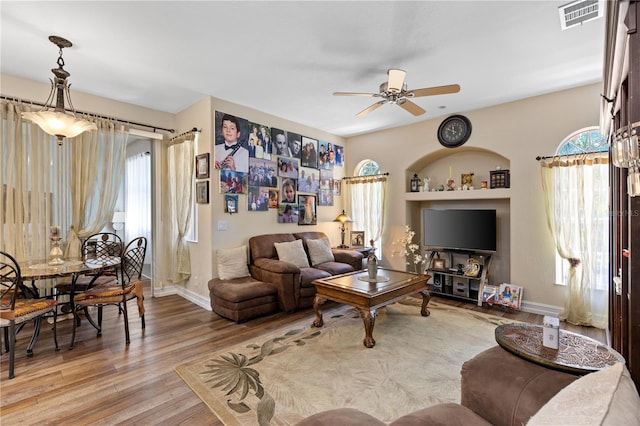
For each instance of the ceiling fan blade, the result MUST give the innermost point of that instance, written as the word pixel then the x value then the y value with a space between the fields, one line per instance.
pixel 354 94
pixel 396 80
pixel 411 107
pixel 439 90
pixel 371 108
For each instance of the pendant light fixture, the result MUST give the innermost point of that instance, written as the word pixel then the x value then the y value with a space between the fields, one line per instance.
pixel 56 120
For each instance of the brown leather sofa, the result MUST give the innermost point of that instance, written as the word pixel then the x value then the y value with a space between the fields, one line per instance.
pixel 502 389
pixel 293 284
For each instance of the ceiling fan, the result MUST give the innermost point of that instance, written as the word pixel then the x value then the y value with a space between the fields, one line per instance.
pixel 394 91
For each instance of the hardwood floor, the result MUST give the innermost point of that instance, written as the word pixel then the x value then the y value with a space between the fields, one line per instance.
pixel 102 381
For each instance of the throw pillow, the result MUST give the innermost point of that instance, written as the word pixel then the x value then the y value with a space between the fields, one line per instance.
pixel 232 263
pixel 292 252
pixel 320 251
pixel 606 397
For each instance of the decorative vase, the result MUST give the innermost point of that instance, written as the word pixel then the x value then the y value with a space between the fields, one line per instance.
pixel 372 263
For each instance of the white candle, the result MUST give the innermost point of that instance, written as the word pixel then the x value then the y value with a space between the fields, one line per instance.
pixel 450 172
pixel 55 231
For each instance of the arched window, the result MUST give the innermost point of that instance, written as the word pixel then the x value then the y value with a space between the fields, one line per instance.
pixel 583 141
pixel 368 168
pixel 366 199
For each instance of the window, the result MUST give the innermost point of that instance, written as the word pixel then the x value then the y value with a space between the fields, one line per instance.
pixel 368 168
pixel 584 141
pixel 366 201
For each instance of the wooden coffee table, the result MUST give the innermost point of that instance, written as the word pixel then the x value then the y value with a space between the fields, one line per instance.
pixel 352 289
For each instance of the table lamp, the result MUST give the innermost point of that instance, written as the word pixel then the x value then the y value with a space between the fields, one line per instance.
pixel 342 218
pixel 118 221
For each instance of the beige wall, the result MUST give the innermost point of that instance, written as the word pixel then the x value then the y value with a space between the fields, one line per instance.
pixel 511 134
pixel 244 224
pixel 518 131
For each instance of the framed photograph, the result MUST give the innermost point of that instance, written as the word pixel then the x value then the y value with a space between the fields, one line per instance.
pixel 325 197
pixel 438 264
pixel 232 182
pixel 490 294
pixel 309 156
pixel 274 198
pixel 288 191
pixel 287 213
pixel 202 192
pixel 510 295
pixel 258 198
pixel 231 204
pixel 231 150
pixel 307 210
pixel 357 239
pixel 202 166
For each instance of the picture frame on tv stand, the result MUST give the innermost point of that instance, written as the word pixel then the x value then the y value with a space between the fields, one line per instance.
pixel 439 264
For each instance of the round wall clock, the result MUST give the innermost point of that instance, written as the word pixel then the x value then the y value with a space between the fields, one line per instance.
pixel 454 131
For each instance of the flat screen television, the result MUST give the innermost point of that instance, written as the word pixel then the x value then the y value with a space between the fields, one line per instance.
pixel 459 229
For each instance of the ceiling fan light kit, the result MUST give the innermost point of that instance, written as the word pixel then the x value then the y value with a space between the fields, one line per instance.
pixel 394 91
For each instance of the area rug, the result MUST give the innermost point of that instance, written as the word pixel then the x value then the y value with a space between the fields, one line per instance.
pixel 298 370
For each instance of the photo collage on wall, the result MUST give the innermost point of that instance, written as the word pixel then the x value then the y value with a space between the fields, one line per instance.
pixel 275 169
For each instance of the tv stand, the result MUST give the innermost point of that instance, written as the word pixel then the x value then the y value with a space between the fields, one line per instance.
pixel 452 280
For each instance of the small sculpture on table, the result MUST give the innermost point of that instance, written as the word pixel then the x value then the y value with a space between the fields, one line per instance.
pixel 427 184
pixel 372 262
pixel 56 252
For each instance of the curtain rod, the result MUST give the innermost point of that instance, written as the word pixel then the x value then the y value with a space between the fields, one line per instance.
pixel 194 130
pixel 367 176
pixel 538 158
pixel 9 98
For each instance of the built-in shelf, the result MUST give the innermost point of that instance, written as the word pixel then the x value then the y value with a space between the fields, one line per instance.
pixel 475 194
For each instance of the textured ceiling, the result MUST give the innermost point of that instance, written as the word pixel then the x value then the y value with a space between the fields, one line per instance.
pixel 287 58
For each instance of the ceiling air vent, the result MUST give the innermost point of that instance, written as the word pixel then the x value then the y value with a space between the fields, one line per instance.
pixel 579 12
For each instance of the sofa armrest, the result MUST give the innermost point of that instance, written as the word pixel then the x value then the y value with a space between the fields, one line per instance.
pixel 284 276
pixel 507 390
pixel 350 257
pixel 277 266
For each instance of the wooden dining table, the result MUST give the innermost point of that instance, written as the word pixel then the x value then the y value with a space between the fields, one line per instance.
pixel 36 270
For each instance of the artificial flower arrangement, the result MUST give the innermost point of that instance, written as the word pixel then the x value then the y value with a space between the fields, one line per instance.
pixel 410 250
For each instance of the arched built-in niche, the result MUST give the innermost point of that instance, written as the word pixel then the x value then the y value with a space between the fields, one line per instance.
pixel 437 166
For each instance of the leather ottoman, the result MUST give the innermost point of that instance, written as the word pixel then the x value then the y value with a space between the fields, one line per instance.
pixel 242 299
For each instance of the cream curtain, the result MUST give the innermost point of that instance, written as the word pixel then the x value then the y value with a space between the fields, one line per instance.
pixel 44 184
pixel 576 202
pixel 138 200
pixel 180 169
pixel 96 169
pixel 366 205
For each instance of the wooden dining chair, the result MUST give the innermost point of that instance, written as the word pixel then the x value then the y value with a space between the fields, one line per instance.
pixel 117 293
pixel 18 305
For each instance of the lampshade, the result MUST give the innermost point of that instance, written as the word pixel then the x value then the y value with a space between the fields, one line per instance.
pixel 57 121
pixel 118 220
pixel 118 217
pixel 342 218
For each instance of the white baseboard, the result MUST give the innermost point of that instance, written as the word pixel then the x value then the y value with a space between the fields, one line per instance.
pixel 540 308
pixel 192 297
